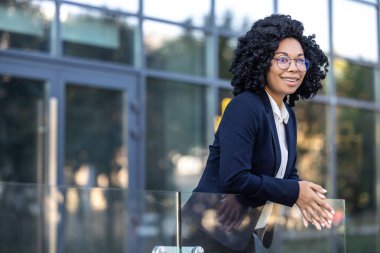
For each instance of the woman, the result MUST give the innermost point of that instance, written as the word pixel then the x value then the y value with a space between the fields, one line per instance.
pixel 254 151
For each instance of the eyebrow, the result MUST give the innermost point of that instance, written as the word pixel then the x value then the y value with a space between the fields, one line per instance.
pixel 300 54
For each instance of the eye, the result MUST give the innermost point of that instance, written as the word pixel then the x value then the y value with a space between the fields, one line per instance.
pixel 300 61
pixel 283 59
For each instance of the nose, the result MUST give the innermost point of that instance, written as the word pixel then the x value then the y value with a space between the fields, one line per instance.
pixel 293 66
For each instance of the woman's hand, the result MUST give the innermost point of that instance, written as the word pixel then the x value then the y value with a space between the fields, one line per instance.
pixel 312 205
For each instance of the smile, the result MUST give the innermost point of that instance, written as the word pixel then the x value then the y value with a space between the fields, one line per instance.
pixel 290 79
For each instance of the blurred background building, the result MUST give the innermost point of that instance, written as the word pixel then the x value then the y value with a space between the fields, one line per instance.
pixel 127 94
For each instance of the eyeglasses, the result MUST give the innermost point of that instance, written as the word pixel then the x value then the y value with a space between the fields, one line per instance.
pixel 283 62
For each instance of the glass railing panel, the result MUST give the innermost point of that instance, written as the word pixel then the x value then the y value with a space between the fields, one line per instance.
pixel 39 218
pixel 21 218
pixel 86 215
pixel 229 223
pixel 293 237
pixel 153 220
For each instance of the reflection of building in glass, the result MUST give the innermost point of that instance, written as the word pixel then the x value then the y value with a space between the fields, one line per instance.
pixel 134 94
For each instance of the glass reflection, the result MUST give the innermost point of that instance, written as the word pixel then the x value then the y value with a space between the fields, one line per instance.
pixel 35 217
pixel 313 15
pixel 175 147
pixel 354 81
pixel 311 144
pixel 356 165
pixel 94 148
pixel 195 12
pixel 39 218
pixel 26 24
pixel 173 48
pixel 225 56
pixel 21 219
pixel 239 15
pixel 91 34
pixel 206 222
pixel 110 220
pixel 23 129
pixel 350 39
pixel 119 5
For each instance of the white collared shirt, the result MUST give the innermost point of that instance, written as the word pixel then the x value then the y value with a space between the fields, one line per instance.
pixel 281 117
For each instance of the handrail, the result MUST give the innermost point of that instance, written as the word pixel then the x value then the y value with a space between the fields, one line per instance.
pixel 173 249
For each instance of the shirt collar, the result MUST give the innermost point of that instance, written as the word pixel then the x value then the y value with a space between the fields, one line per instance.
pixel 281 114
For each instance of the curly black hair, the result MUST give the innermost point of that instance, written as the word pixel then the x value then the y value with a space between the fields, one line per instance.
pixel 255 50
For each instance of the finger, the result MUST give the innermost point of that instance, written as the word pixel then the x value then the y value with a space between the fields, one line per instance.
pixel 318 188
pixel 225 228
pixel 223 205
pixel 223 225
pixel 326 206
pixel 224 216
pixel 325 215
pixel 236 224
pixel 220 213
pixel 231 220
pixel 305 223
pixel 306 216
pixel 315 217
pixel 324 220
pixel 232 216
pixel 317 225
pixel 319 211
pixel 240 219
pixel 321 195
pixel 328 224
pixel 320 206
pixel 329 215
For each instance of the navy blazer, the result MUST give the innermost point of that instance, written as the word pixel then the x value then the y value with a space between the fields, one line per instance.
pixel 246 155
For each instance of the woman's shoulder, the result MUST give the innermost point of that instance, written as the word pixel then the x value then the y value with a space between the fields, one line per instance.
pixel 247 99
pixel 245 107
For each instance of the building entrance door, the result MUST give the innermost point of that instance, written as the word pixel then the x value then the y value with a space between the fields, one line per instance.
pixel 98 153
pixel 98 144
pixel 61 124
pixel 70 131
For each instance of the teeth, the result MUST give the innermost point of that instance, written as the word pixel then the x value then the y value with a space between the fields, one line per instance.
pixel 290 80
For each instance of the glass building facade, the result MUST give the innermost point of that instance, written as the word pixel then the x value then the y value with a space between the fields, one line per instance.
pixel 127 94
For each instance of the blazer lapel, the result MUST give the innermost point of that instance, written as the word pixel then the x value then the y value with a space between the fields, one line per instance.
pixel 273 130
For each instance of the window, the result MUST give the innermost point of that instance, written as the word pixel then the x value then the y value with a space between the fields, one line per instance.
pixel 174 48
pixel 91 34
pixel 23 130
pixel 175 145
pixel 26 25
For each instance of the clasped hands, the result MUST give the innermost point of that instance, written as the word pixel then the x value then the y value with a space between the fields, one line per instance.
pixel 311 202
pixel 314 208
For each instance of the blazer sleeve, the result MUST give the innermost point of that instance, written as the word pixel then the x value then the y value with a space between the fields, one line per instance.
pixel 293 173
pixel 237 132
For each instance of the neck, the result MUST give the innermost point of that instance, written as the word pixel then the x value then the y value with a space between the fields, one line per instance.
pixel 278 99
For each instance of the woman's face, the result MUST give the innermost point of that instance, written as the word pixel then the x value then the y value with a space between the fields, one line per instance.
pixel 281 82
